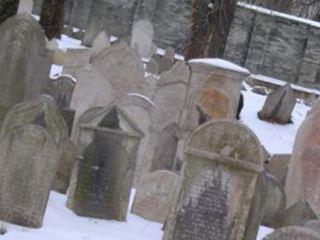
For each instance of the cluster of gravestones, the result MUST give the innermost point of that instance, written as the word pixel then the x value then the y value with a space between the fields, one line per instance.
pixel 173 137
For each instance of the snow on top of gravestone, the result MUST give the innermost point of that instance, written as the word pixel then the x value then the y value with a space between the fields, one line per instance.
pixel 279 14
pixel 282 83
pixel 221 63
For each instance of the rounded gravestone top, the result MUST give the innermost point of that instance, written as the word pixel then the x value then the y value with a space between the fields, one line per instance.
pixel 220 63
pixel 228 139
pixel 293 233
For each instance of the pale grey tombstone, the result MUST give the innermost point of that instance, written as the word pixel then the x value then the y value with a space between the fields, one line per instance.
pixel 44 113
pixel 155 195
pixel 25 6
pixel 116 71
pixel 24 61
pixel 223 161
pixel 100 43
pixel 279 105
pixel 28 160
pixel 102 179
pixel 141 37
pixel 293 233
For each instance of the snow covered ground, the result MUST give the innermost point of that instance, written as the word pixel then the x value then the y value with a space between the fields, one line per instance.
pixel 62 224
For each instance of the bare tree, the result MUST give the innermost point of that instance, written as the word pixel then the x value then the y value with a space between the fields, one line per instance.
pixel 8 8
pixel 210 25
pixel 52 17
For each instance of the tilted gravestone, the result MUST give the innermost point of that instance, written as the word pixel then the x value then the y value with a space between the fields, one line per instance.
pixel 43 112
pixel 28 160
pixel 293 233
pixel 107 150
pixel 154 196
pixel 116 71
pixel 279 105
pixel 223 161
pixel 304 166
pixel 24 61
pixel 214 91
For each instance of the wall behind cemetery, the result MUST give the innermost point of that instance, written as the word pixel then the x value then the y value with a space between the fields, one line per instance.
pixel 275 45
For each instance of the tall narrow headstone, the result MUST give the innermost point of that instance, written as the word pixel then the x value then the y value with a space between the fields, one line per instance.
pixel 103 176
pixel 223 161
pixel 24 61
pixel 25 6
pixel 28 160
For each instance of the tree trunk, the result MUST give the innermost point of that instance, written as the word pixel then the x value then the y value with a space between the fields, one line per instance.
pixel 8 8
pixel 210 25
pixel 52 18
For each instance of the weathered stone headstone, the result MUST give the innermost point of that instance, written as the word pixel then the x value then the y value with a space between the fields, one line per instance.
pixel 155 195
pixel 44 113
pixel 304 168
pixel 166 61
pixel 116 71
pixel 61 89
pixel 24 61
pixel 25 6
pixel 107 151
pixel 153 66
pixel 100 43
pixel 222 163
pixel 293 233
pixel 278 166
pixel 279 105
pixel 28 160
pixel 214 91
pixel 142 36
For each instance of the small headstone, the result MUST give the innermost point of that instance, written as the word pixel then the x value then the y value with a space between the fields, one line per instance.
pixel 153 67
pixel 278 166
pixel 28 162
pixel 279 105
pixel 293 233
pixel 24 63
pixel 25 6
pixel 100 43
pixel 107 150
pixel 154 196
pixel 222 163
pixel 142 36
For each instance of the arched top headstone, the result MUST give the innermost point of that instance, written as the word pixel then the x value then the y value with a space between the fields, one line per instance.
pixel 22 27
pixel 293 233
pixel 110 118
pixel 229 141
pixel 42 112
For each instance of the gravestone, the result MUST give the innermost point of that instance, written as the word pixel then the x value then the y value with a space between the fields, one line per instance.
pixel 44 113
pixel 61 89
pixel 278 166
pixel 293 233
pixel 304 166
pixel 142 36
pixel 28 160
pixel 155 195
pixel 107 150
pixel 25 6
pixel 100 43
pixel 116 71
pixel 279 105
pixel 214 92
pixel 24 61
pixel 223 160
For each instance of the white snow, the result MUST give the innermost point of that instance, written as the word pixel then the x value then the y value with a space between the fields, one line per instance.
pixel 279 14
pixel 221 63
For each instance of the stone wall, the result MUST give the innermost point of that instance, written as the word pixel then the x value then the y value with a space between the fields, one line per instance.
pixel 275 45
